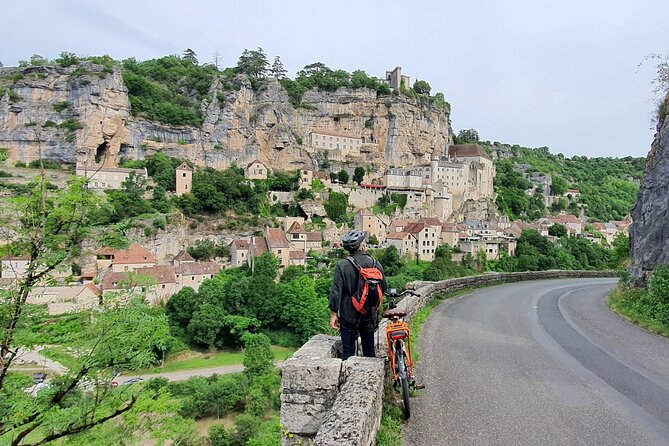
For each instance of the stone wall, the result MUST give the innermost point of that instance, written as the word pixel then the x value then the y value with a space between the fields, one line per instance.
pixel 330 401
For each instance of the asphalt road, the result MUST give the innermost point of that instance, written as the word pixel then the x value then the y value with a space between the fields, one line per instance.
pixel 539 363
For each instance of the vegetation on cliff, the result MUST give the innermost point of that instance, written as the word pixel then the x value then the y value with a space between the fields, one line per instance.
pixel 607 186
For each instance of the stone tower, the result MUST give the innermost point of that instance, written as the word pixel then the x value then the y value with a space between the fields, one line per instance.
pixel 184 179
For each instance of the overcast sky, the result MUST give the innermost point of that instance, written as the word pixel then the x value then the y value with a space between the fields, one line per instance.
pixel 562 74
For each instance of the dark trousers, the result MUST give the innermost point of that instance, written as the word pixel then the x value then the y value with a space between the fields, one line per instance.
pixel 349 334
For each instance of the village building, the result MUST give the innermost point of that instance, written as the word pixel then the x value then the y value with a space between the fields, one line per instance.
pixel 337 145
pixel 135 257
pixel 184 179
pixel 372 224
pixel 395 78
pixel 278 244
pixel 573 224
pixel 297 237
pixel 297 258
pixel 239 251
pixel 404 242
pixel 108 177
pixel 14 267
pixel 306 177
pixel 427 239
pixel 256 170
pixel 65 299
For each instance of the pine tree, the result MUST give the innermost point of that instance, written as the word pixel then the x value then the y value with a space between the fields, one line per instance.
pixel 217 59
pixel 277 70
pixel 190 56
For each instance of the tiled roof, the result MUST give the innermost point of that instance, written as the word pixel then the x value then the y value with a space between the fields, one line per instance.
pixel 328 133
pixel 199 269
pixel 450 227
pixel 466 151
pixel 567 218
pixel 296 228
pixel 94 288
pixel 397 235
pixel 240 244
pixel 254 162
pixel 401 223
pixel 184 166
pixel 259 246
pixel 106 251
pixel 183 256
pixel 134 255
pixel 415 228
pixel 296 255
pixel 431 221
pixel 162 273
pixel 276 238
pixel 314 237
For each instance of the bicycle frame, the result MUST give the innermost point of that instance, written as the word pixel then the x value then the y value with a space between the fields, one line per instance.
pixel 399 334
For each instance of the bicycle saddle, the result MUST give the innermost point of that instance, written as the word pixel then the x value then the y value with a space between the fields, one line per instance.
pixel 394 312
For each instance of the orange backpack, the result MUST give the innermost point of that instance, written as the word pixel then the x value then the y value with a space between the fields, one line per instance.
pixel 368 297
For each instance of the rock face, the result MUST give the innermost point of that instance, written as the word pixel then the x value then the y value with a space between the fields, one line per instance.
pixel 37 121
pixel 649 234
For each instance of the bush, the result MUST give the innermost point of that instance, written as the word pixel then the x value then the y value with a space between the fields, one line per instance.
pixel 47 164
pixel 19 164
pixel 60 106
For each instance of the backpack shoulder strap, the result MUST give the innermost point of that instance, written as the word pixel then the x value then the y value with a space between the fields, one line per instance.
pixel 354 262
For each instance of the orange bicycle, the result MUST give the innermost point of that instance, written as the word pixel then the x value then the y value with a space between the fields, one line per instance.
pixel 398 336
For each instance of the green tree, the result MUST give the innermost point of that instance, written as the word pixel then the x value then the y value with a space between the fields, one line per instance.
pixel 373 240
pixel 258 356
pixel 302 309
pixel 391 261
pixel 278 71
pixel 620 250
pixel 219 436
pixel 467 136
pixel 67 59
pixel 559 186
pixel 181 306
pixel 342 176
pixel 358 174
pixel 204 249
pixel 253 63
pixel 190 56
pixel 558 230
pixel 336 205
pixel 422 87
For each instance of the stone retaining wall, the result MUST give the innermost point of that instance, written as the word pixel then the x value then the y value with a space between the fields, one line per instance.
pixel 327 401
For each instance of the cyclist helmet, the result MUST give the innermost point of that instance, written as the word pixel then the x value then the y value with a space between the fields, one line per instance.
pixel 353 239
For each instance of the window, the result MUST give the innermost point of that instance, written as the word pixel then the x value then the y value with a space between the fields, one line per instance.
pixel 183 174
pixel 279 251
pixel 163 286
pixel 193 278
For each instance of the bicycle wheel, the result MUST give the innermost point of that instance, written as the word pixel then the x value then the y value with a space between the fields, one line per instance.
pixel 404 380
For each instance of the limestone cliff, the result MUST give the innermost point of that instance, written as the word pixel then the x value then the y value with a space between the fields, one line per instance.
pixel 649 234
pixel 82 114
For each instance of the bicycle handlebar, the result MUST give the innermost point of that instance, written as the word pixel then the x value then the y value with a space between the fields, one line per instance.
pixel 393 293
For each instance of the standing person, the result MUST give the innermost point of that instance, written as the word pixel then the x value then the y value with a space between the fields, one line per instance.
pixel 347 283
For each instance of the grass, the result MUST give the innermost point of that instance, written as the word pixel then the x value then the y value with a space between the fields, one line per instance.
pixel 624 300
pixel 60 355
pixel 390 431
pixel 218 359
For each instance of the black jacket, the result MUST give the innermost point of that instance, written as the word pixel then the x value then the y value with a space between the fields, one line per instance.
pixel 345 283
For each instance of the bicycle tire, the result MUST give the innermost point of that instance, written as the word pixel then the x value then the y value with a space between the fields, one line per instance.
pixel 404 380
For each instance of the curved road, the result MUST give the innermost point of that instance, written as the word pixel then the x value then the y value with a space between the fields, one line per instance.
pixel 539 363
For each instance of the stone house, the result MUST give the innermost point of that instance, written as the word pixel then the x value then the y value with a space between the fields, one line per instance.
pixel 297 258
pixel 14 267
pixel 184 179
pixel 65 299
pixel 306 177
pixel 572 223
pixel 192 274
pixel 239 251
pixel 404 242
pixel 297 237
pixel 278 244
pixel 108 177
pixel 427 239
pixel 256 170
pixel 370 223
pixel 314 241
pixel 135 257
pixel 337 145
pixel 449 234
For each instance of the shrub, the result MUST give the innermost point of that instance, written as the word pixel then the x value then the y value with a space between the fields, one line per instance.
pixel 47 164
pixel 71 125
pixel 19 164
pixel 49 123
pixel 60 106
